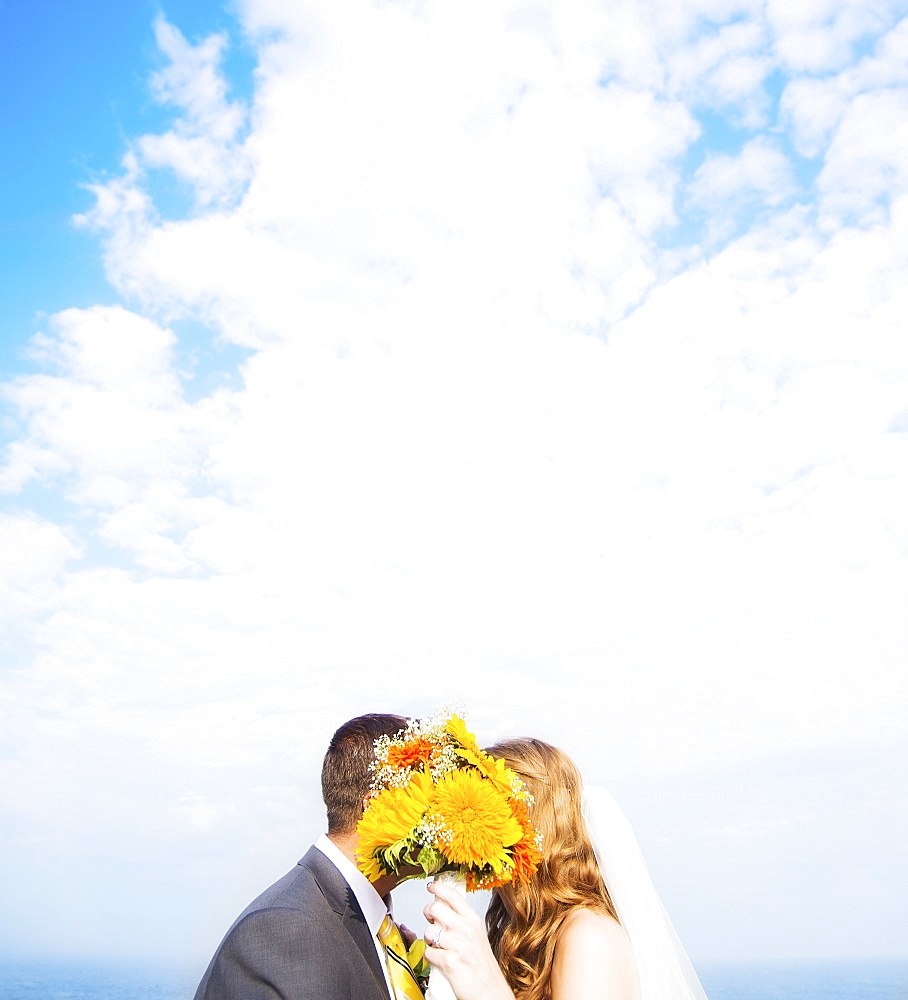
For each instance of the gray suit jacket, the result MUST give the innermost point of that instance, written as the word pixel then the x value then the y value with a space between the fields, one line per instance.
pixel 303 939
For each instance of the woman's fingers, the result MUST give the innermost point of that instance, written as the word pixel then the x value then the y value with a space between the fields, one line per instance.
pixel 438 956
pixel 456 943
pixel 447 892
pixel 439 912
pixel 434 935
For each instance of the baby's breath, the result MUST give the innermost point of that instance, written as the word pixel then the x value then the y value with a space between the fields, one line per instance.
pixel 432 727
pixel 445 759
pixel 431 831
pixel 520 790
pixel 385 775
pixel 390 777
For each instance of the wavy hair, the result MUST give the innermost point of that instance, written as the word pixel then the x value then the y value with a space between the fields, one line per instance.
pixel 524 920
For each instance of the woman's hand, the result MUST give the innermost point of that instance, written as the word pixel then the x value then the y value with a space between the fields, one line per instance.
pixel 462 952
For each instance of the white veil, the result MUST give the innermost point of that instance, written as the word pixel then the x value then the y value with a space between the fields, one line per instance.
pixel 663 968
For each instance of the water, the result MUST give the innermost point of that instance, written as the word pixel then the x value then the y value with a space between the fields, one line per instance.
pixel 75 980
pixel 868 980
pixel 87 980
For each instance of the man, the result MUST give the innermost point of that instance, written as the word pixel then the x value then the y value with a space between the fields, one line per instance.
pixel 314 934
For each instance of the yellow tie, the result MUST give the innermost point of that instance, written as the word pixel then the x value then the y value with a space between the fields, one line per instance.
pixel 402 979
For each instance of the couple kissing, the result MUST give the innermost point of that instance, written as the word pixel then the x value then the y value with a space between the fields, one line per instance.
pixel 587 925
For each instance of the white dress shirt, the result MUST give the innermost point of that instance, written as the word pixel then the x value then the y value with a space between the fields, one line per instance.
pixel 373 906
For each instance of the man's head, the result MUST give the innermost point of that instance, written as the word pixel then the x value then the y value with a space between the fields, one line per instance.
pixel 345 773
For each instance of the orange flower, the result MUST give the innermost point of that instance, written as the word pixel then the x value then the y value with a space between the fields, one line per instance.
pixel 526 858
pixel 412 752
pixel 525 853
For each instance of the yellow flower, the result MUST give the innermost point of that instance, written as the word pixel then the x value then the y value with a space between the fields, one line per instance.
pixel 477 822
pixel 416 958
pixel 494 770
pixel 498 773
pixel 457 728
pixel 391 816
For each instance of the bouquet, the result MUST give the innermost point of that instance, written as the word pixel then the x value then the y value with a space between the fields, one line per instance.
pixel 440 804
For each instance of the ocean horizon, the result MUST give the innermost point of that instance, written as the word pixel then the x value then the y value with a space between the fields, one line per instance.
pixel 96 979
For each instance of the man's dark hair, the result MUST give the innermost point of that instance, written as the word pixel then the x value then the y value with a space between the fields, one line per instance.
pixel 345 773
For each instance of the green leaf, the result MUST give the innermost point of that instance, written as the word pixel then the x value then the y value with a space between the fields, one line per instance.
pixel 430 860
pixel 394 855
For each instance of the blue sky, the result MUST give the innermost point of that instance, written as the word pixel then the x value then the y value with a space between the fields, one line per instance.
pixel 547 359
pixel 74 80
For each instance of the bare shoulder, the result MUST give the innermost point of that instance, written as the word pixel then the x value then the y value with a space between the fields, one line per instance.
pixel 593 959
pixel 584 927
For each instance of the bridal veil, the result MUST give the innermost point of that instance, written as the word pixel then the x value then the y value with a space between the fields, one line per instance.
pixel 664 971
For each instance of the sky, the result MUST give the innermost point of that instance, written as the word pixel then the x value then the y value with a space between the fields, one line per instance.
pixel 543 360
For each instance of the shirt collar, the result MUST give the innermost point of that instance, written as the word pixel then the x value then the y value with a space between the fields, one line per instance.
pixel 373 906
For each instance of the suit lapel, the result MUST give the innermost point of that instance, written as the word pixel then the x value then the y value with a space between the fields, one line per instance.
pixel 341 899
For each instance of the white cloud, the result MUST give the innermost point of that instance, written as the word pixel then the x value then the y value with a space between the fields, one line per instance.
pixel 819 35
pixel 814 107
pixel 115 428
pixel 492 443
pixel 202 146
pixel 106 411
pixel 758 177
pixel 726 69
pixel 35 553
pixel 865 165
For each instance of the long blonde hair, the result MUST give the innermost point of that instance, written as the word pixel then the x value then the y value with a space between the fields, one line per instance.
pixel 523 933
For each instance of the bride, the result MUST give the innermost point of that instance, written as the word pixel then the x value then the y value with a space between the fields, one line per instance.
pixel 589 926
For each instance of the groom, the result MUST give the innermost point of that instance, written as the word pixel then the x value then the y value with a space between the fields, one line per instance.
pixel 313 934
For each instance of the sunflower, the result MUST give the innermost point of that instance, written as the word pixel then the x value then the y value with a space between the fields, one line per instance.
pixel 495 770
pixel 457 728
pixel 498 773
pixel 391 816
pixel 477 824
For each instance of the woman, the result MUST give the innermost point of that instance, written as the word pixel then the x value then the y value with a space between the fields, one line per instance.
pixel 589 926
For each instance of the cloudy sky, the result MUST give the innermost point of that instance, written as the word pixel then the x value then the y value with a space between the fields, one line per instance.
pixel 547 359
